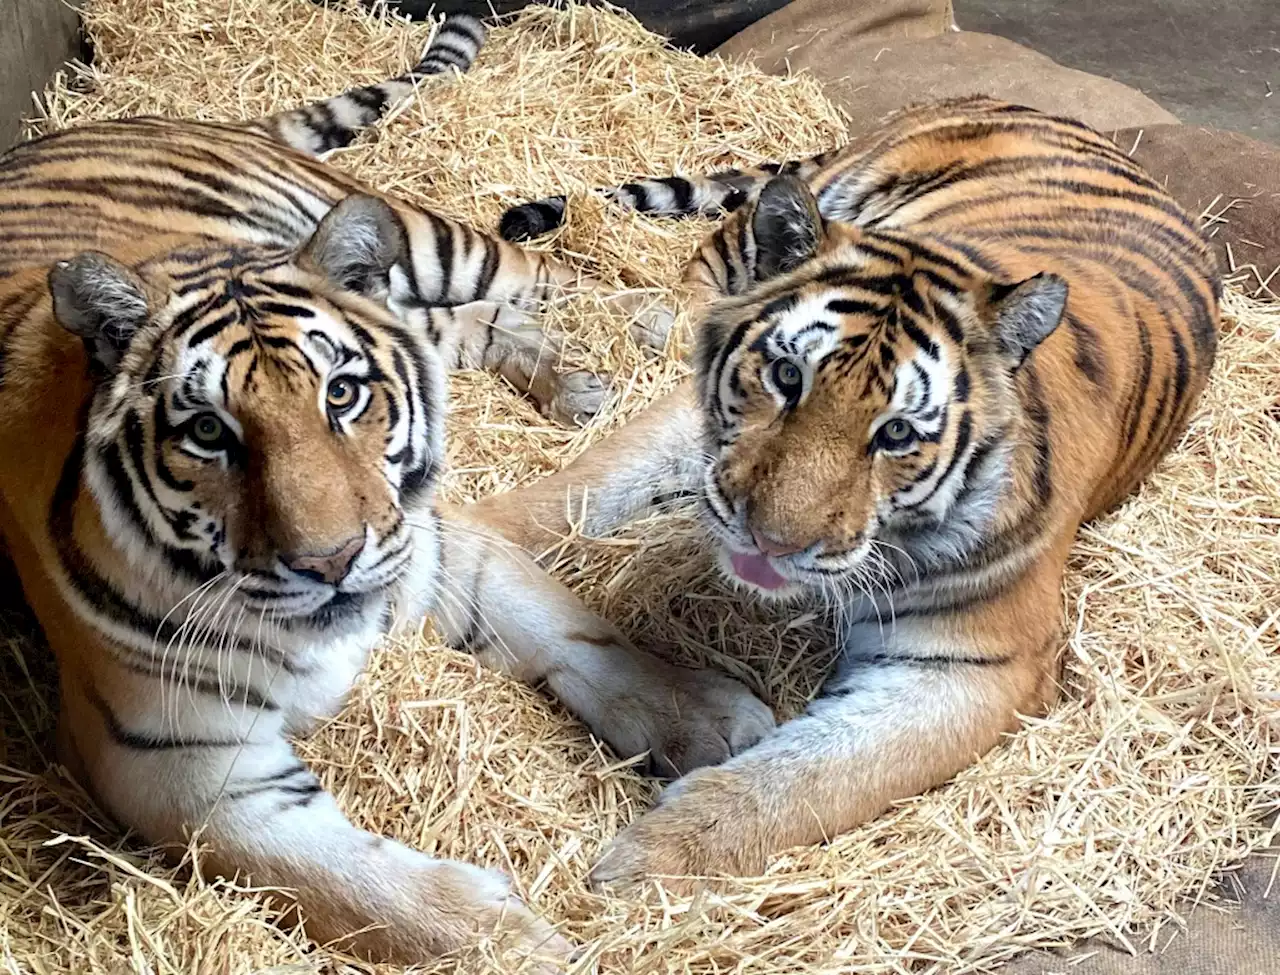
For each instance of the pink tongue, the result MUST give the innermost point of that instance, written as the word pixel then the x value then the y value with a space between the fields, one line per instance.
pixel 756 570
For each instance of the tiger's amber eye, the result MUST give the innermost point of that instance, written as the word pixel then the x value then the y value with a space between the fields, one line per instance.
pixel 341 395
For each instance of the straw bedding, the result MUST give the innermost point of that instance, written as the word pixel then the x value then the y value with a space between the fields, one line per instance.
pixel 1153 774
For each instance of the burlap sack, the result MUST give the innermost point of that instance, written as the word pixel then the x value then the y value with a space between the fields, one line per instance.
pixel 1233 180
pixel 878 55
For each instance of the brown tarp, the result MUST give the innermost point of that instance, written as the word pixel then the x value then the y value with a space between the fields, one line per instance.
pixel 1233 179
pixel 877 55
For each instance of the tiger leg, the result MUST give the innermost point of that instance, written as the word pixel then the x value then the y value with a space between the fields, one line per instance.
pixel 516 619
pixel 260 812
pixel 507 340
pixel 896 720
pixel 655 460
pixel 452 264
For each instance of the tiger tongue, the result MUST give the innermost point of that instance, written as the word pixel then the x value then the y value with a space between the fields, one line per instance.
pixel 757 570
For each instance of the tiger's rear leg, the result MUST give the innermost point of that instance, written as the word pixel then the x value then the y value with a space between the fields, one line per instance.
pixel 508 340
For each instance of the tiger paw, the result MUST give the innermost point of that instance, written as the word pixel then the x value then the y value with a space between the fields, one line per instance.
pixel 579 396
pixel 683 718
pixel 706 824
pixel 482 900
pixel 402 907
pixel 651 321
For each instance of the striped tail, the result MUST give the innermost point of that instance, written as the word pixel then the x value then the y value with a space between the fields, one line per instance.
pixel 671 196
pixel 335 122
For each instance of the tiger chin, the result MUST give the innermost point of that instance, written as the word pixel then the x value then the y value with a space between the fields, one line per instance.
pixel 923 361
pixel 222 408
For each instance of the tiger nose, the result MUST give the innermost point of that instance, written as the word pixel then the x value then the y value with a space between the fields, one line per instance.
pixel 773 547
pixel 331 567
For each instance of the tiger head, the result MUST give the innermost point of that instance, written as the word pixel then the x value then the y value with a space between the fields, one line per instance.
pixel 858 398
pixel 260 418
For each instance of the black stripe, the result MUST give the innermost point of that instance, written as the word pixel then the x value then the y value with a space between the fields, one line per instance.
pixel 283 308
pixel 919 337
pixel 144 741
pixel 453 52
pixel 721 244
pixel 488 267
pixel 963 434
pixel 372 99
pixel 292 290
pixel 444 255
pixel 303 793
pixel 214 328
pixel 1037 411
pixel 853 306
pixel 1138 399
pixel 682 190
pixel 853 664
pixel 1089 357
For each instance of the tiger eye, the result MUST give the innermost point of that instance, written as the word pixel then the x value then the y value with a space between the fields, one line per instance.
pixel 788 377
pixel 207 429
pixel 896 433
pixel 341 394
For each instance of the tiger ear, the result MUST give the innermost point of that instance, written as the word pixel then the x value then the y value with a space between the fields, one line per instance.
pixel 357 243
pixel 1026 313
pixel 786 225
pixel 102 301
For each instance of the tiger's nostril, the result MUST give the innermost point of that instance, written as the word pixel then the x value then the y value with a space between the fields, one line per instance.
pixel 331 567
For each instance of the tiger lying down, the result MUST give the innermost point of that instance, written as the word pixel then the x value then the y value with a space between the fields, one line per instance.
pixel 222 411
pixel 923 361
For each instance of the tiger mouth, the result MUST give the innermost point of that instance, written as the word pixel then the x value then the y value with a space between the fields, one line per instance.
pixel 758 572
pixel 757 569
pixel 323 603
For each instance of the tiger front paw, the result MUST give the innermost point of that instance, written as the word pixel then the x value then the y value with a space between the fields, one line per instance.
pixel 475 902
pixel 707 824
pixel 684 718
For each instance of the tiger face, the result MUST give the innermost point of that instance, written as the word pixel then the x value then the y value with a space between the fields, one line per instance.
pixel 858 400
pixel 259 420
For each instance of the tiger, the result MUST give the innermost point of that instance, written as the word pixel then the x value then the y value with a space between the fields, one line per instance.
pixel 922 361
pixel 223 376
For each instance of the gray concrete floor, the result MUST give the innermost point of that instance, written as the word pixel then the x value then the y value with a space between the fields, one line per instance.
pixel 1209 62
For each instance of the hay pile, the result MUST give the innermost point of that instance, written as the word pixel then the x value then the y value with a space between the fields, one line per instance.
pixel 1151 776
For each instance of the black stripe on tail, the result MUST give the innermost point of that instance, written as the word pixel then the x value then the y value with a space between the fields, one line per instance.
pixel 670 196
pixel 334 122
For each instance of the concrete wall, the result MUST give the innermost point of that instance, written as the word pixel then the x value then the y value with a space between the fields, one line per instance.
pixel 36 37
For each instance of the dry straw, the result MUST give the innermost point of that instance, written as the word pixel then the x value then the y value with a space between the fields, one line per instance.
pixel 1152 775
